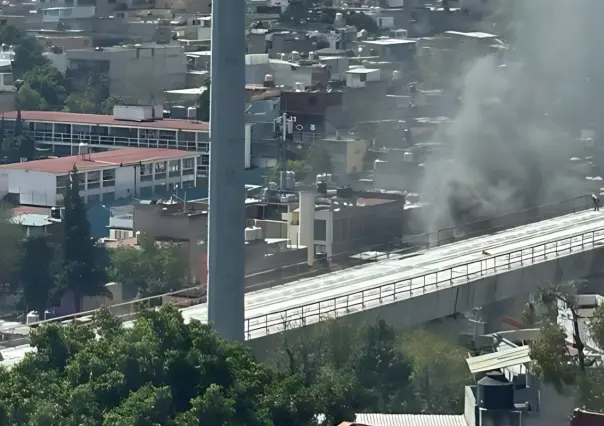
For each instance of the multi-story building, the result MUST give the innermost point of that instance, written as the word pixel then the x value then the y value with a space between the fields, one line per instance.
pixel 103 176
pixel 60 133
pixel 141 72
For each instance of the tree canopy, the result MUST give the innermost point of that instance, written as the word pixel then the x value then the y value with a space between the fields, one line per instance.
pixel 559 355
pixel 84 260
pixel 161 371
pixel 375 369
pixel 151 268
pixel 28 53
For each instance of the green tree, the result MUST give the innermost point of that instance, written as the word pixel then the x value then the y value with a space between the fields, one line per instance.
pixel 596 326
pixel 28 99
pixel 439 372
pixel 362 22
pixel 11 236
pixel 81 103
pixel 94 99
pixel 203 103
pixel 49 83
pixel 160 371
pixel 84 260
pixel 28 52
pixel 553 362
pixel 37 273
pixel 572 374
pixel 150 268
pixel 362 366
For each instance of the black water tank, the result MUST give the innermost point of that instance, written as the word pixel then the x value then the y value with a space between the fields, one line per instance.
pixel 322 188
pixel 493 394
pixel 345 192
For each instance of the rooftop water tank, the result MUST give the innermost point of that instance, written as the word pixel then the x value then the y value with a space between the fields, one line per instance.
pixel 299 86
pixel 291 179
pixel 396 75
pixel 494 394
pixel 283 179
pixel 269 80
pixel 339 20
pixel 250 234
pixel 408 157
pixel 32 317
pixel 283 56
pixel 294 56
pixel 322 188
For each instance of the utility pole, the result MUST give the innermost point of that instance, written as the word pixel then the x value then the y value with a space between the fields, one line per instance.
pixel 226 251
pixel 287 127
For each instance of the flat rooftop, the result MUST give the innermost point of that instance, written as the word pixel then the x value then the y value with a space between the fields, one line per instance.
pixel 390 41
pixel 362 70
pixel 107 120
pixel 474 34
pixel 100 160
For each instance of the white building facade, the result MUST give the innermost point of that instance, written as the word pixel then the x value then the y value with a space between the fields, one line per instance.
pixel 143 173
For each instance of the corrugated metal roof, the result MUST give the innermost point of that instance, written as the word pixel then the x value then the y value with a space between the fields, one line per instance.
pixel 501 359
pixel 371 419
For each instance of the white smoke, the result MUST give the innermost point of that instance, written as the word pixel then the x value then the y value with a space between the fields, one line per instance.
pixel 513 135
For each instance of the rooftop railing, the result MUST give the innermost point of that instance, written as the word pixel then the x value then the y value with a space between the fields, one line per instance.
pixel 395 290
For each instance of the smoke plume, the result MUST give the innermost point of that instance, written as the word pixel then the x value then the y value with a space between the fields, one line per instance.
pixel 510 143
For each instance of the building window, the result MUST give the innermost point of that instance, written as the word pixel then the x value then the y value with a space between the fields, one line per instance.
pixel 146 169
pixel 109 178
pixel 320 230
pixel 109 174
pixel 320 249
pixel 94 179
pixel 160 167
pixel 174 168
pixel 188 163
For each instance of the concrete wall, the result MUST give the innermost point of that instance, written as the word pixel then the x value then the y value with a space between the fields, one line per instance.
pixel 426 307
pixel 34 188
pixel 257 258
pixel 272 228
pixel 151 69
pixel 149 219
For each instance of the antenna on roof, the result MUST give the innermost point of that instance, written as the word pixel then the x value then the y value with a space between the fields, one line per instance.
pixel 84 151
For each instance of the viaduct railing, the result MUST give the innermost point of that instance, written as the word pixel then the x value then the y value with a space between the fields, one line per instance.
pixel 393 291
pixel 127 310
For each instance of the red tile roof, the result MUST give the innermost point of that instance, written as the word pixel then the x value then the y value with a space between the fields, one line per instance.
pixel 19 210
pixel 107 120
pixel 100 160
